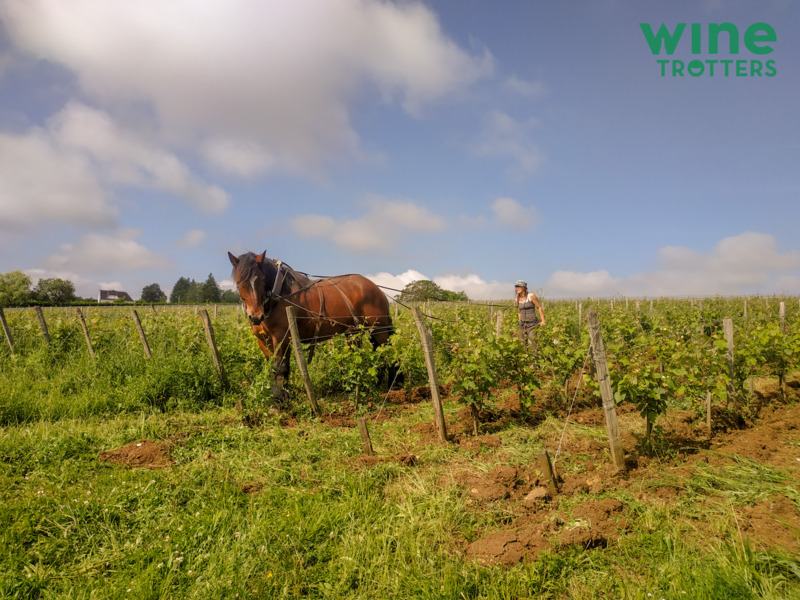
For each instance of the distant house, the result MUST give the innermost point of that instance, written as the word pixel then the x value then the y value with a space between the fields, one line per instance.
pixel 113 295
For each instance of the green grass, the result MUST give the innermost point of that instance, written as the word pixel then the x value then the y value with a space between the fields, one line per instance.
pixel 320 525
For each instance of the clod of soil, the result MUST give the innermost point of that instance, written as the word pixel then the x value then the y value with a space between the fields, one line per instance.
pixel 772 523
pixel 595 523
pixel 144 454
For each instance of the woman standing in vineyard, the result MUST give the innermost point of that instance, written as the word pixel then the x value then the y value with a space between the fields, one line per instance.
pixel 529 313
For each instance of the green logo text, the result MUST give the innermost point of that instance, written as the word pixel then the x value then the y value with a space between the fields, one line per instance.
pixel 756 40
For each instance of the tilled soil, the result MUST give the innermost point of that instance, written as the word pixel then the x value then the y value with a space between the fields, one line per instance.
pixel 596 518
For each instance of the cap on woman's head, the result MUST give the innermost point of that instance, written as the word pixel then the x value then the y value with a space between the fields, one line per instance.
pixel 521 283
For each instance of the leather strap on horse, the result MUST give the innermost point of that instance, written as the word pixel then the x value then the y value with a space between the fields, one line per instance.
pixel 346 301
pixel 321 312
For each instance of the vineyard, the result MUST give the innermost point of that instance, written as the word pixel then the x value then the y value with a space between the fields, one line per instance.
pixel 135 468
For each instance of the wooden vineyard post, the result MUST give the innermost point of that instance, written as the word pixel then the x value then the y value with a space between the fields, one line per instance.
pixel 212 344
pixel 433 380
pixel 546 467
pixel 142 336
pixel 42 323
pixel 7 331
pixel 727 326
pixel 85 333
pixel 782 374
pixel 708 411
pixel 604 379
pixel 366 443
pixel 301 360
pixel 499 328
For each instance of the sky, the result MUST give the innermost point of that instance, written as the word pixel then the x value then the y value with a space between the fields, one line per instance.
pixel 468 142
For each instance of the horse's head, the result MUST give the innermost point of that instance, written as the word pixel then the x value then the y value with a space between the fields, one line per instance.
pixel 254 277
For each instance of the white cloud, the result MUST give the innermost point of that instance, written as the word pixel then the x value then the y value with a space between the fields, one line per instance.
pixel 571 284
pixel 42 183
pixel 475 287
pixel 510 213
pixel 746 263
pixel 505 137
pixel 102 254
pixel 191 239
pixel 525 88
pixel 396 282
pixel 126 157
pixel 65 173
pixel 383 224
pixel 241 158
pixel 252 86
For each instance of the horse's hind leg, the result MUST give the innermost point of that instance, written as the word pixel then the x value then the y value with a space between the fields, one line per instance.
pixel 380 335
pixel 381 332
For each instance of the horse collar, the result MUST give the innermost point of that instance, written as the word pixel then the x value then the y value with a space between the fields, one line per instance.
pixel 274 294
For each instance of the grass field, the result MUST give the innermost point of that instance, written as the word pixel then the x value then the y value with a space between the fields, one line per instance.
pixel 127 478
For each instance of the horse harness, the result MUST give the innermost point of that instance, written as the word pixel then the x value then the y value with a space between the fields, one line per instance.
pixel 273 296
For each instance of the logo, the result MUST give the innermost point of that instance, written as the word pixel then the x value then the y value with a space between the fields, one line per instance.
pixel 704 44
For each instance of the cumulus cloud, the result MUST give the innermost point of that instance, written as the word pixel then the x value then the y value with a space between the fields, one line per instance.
pixel 42 183
pixel 511 214
pixel 507 138
pixel 65 173
pixel 191 239
pixel 383 224
pixel 396 282
pixel 126 157
pixel 102 254
pixel 746 263
pixel 475 287
pixel 253 86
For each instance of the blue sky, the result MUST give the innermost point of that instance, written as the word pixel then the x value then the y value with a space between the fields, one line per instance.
pixel 468 142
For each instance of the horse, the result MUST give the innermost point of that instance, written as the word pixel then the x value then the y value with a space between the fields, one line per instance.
pixel 323 308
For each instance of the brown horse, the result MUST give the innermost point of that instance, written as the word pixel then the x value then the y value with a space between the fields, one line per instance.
pixel 323 307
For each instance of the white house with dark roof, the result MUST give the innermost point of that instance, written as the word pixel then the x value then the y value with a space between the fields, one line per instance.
pixel 112 296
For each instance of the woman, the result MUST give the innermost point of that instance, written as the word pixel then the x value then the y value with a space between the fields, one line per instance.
pixel 529 313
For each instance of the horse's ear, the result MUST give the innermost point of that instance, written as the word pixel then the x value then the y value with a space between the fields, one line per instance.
pixel 234 260
pixel 260 257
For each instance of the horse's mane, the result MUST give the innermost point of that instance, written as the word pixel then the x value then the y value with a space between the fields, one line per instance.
pixel 247 268
pixel 295 279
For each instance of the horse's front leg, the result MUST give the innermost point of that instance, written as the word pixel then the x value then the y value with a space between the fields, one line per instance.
pixel 264 341
pixel 280 370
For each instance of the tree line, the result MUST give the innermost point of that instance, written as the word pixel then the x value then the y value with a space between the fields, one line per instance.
pixel 16 289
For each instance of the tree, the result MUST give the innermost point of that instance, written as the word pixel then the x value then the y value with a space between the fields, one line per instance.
pixel 55 291
pixel 423 290
pixel 230 297
pixel 181 290
pixel 211 291
pixel 153 293
pixel 15 289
